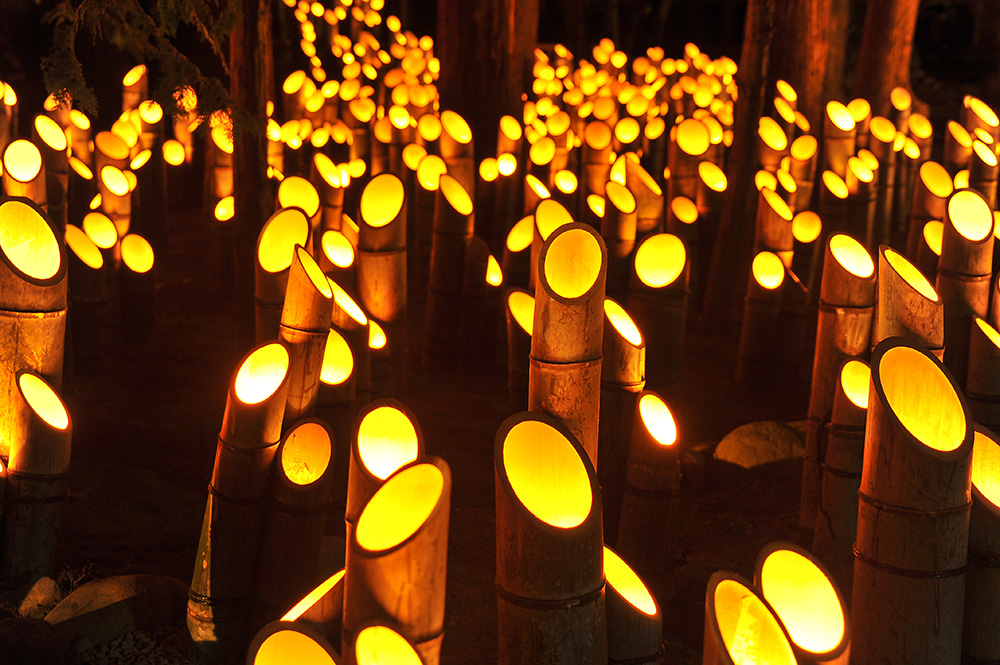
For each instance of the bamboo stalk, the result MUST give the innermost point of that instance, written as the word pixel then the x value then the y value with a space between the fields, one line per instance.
pixel 978 115
pixel 635 630
pixel 832 207
pixel 88 299
pixel 772 144
pixel 618 228
pixel 983 169
pixel 773 230
pixel 803 155
pixel 807 229
pixel 982 602
pixel 520 319
pixel 51 141
pixel 882 135
pixel 758 351
pixel 861 200
pixel 740 627
pixel 982 387
pixel 913 512
pixel 275 251
pixel 930 198
pixel 908 306
pixel 517 252
pixel 24 172
pixel 550 573
pixel 138 289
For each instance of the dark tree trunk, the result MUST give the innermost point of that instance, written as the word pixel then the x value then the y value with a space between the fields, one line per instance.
pixel 886 46
pixel 800 51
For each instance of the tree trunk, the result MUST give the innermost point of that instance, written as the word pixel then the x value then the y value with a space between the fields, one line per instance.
pixel 801 53
pixel 886 46
pixel 732 258
pixel 839 20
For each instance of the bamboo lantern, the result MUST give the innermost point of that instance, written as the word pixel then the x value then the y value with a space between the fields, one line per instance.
pixel 548 215
pixel 297 192
pixel 80 189
pixel 740 627
pixel 37 480
pixel 618 228
pixel 352 322
pixel 541 156
pixel 24 172
pixel 339 258
pixel 833 207
pixel 784 115
pixel 650 502
pixel 839 138
pixel 135 86
pixel 913 512
pixel 774 226
pixel 907 164
pixel 386 437
pixel 843 330
pixel 457 150
pixel 978 115
pixel 657 301
pixel 689 141
pixel 516 262
pixel 882 135
pixel 648 196
pixel 335 405
pixel 224 573
pixel 520 319
pixel 138 288
pixel 806 247
pixel 510 137
pixel 837 516
pixel 51 141
pixel 88 299
pixel 397 559
pixel 283 641
pixel 920 130
pixel 786 188
pixel 929 249
pixel 321 609
pixel 300 501
pixel 807 601
pixel 635 625
pixel 957 148
pixel 628 135
pixel 115 189
pixel 900 107
pixel 596 162
pixel 222 162
pixel 758 350
pixel 861 111
pixel 982 602
pixel 550 573
pixel 564 377
pixel 930 195
pixel 803 155
pixel 861 200
pixel 908 306
pixel 983 169
pixel 275 251
pixel 8 114
pixel 330 188
pixel 965 272
pixel 33 270
pixel 982 386
pixel 772 144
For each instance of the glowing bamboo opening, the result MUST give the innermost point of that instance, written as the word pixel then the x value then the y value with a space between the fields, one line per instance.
pixel 387 440
pixel 429 172
pixel 624 580
pixel 338 249
pixel 597 204
pixel 114 179
pixel 79 167
pixel 84 248
pixel 768 270
pixel 140 160
pixel 429 127
pixel 784 110
pixel 338 360
pixel 283 231
pixel 772 134
pixel 319 281
pixel 684 209
pixel 660 260
pixel 262 373
pixel 985 153
pixel 399 508
pixel 858 169
pixel 456 195
pixel 840 116
pixel 786 91
pixel 566 181
pixel 900 99
pixel 494 275
pixel 28 241
pixel 43 400
pixel 627 130
pixel 379 645
pixel 298 192
pixel 520 235
pixel 910 274
pixel 983 112
pixel 713 176
pixel 173 152
pixel 806 226
pixel 852 255
pixel 750 632
pixel 919 126
pixel 522 308
pixel 100 229
pixel 51 133
pixel 291 646
pixel 692 137
pixel 597 135
pixel 962 179
pixel 573 263
pixel 855 381
pixel 620 197
pixel 835 184
pixel 506 164
pixel 933 233
pixel 79 120
pixel 542 152
pixel 804 148
pixel 346 303
pixel 936 179
pixel 960 134
pixel 488 170
pixel 376 336
pixel 882 129
pixel 225 208
pixel 970 214
pixel 22 160
pixel 305 454
pixel 986 464
pixel 382 199
pixel 312 597
pixel 622 322
pixel 804 600
pixel 511 128
pixel 137 253
pixel 859 108
pixel 547 474
pixel 134 75
pixel 549 216
pixel 150 112
pixel 658 419
pixel 777 204
pixel 456 126
pixel 763 180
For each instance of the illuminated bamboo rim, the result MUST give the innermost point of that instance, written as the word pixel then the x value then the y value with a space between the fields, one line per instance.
pixel 597 135
pixel 617 173
pixel 376 336
pixel 111 145
pixel 621 197
pixel 150 112
pixel 22 161
pixel 429 172
pixel 134 75
pixel 296 191
pixel 572 261
pixel 506 164
pixel 382 200
pixel 855 381
pixel 627 130
pixel 43 399
pixel 261 373
pixel 621 321
pixel 79 119
pixel 802 594
pixel 654 128
pixel 984 153
pixel 983 136
pixel 859 108
pixel 387 439
pixel 83 247
pixel 542 152
pixel 456 195
pixel 29 243
pixel 970 214
pixel 597 204
pixel 840 116
pixel 494 274
pixel 429 127
pixel 960 134
pixel 882 129
pixel 777 204
pixel 806 226
pixel 869 158
pixel 660 260
pixel 745 625
pixel 768 270
pixel 933 234
pixel 313 597
pixel 936 179
pixel 511 128
pixel 765 180
pixel 623 579
pixel 293 82
pixel 835 184
pixel 910 147
pixel 305 453
pixel 982 111
pixel 173 152
pixel 344 301
pixel 962 179
pixel 657 419
pixel 381 645
pixel 692 137
pixel 547 472
pixel 100 229
pixel 986 466
pixel 786 91
pixel 114 180
pixel 137 253
pixel 852 255
pixel 900 98
pixel 521 305
pixel 225 208
pixel 80 168
pixel 771 133
pixel 856 167
pixel 784 109
pixel 909 273
pixel 400 507
pixel 566 181
pixel 684 209
pixel 282 642
pixel 919 126
pixel 920 396
pixel 140 160
pixel 456 127
pixel 713 176
pixel 51 133
pixel 488 170
pixel 282 232
pixel 338 249
pixel 338 360
pixel 804 148
pixel 412 154
pixel 319 280
pixel 549 216
pixel 520 235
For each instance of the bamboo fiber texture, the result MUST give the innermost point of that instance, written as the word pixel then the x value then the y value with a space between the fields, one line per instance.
pixel 982 585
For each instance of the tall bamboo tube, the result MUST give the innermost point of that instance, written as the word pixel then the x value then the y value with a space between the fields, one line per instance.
pixel 689 141
pixel 740 627
pixel 352 322
pixel 807 228
pixel 224 573
pixel 618 228
pixel 983 170
pixel 37 480
pixel 648 197
pixel 804 155
pixel 520 319
pixel 300 501
pixel 330 187
pixel 457 150
pixel 650 504
pixel 982 601
pixel 758 351
pixel 397 558
pixel 839 135
pixel 882 134
pixel 861 200
pixel 564 378
pixel 772 144
pixel 957 148
pixel 24 172
pixel 550 573
pixel 88 299
pixel 908 306
pixel 279 641
pixel 516 262
pixel 773 231
pixel 832 207
pixel 807 601
pixel 913 512
pixel 51 141
pixel 635 625
pixel 982 387
pixel 965 270
pixel 275 251
pixel 843 330
pixel 837 517
pixel 137 280
pixel 33 270
pixel 339 258
pixel 930 196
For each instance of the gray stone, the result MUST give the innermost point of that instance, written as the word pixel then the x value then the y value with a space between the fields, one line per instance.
pixel 41 597
pixel 83 644
pixel 758 443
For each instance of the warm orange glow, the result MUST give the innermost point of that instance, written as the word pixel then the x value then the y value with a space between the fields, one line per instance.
pixel 982 111
pixel 338 249
pixel 620 197
pixel 750 631
pixel 305 455
pixel 140 160
pixel 960 134
pixel 882 129
pixel 506 164
pixel 627 130
pixel 658 420
pixel 313 272
pixel 379 645
pixel 855 380
pixel 376 336
pixel 765 180
pixel 511 128
pixel 572 263
pixel 772 134
pixel 79 167
pixel 262 373
pixel 137 254
pixel 134 75
pixel 549 216
pixel 382 200
pixel 400 507
pixel 692 137
pixel 806 226
pixel 282 232
pixel 456 195
pixel 313 597
pixel 27 240
pixel 804 148
pixel 83 247
pixel 624 580
pixel 225 208
pixel 173 152
pixel 429 172
pixel 835 184
pixel 429 127
pixel 386 441
pixel 291 646
pixel 768 270
pixel 984 153
pixel 859 108
pixel 684 209
pixel 522 307
pixel 597 204
pixel 338 360
pixel 346 303
pixel 114 179
pixel 597 135
pixel 986 465
pixel 150 112
pixel 456 126
pixel 520 235
pixel 100 230
pixel 786 90
pixel 970 214
pixel 488 170
pixel 660 260
pixel 962 179
pixel 566 181
pixel 298 192
pixel 933 233
pixel 22 160
pixel 919 126
pixel 79 119
pixel 542 152
pixel 840 116
pixel 43 400
pixel 777 204
pixel 923 398
pixel 900 98
pixel 494 275
pixel 852 255
pixel 804 599
pixel 784 110
pixel 547 474
pixel 936 179
pixel 622 322
pixel 51 133
pixel 857 167
pixel 713 176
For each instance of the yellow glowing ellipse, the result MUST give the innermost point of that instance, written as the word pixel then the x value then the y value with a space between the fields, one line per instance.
pixel 386 441
pixel 22 160
pixel 291 646
pixel 750 631
pixel 137 253
pixel 456 195
pixel 43 400
pixel 522 308
pixel 934 235
pixel 382 200
pixel 83 247
pixel 380 645
pixel 804 600
pixel 852 255
pixel 855 380
pixel 660 260
pixel 28 241
pixel 910 274
pixel 768 270
pixel 306 453
pixel 806 226
pixel 658 420
pixel 622 322
pixel 572 263
pixel 970 214
pixel 282 232
pixel 400 507
pixel 986 467
pixel 623 579
pixel 922 397
pixel 299 192
pixel 262 373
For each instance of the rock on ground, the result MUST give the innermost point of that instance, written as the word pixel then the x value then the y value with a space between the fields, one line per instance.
pixel 758 443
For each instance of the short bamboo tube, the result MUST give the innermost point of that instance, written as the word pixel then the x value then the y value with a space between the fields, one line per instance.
pixel 275 251
pixel 648 197
pixel 618 228
pixel 964 274
pixel 930 198
pixel 51 141
pixel 882 135
pixel 843 330
pixel 772 144
pixel 596 155
pixel 275 642
pixel 803 155
pixel 758 350
pixel 982 387
pixel 137 282
pixel 833 207
pixel 37 480
pixel 807 601
pixel 774 226
pixel 839 137
pixel 456 144
pixel 957 148
pixel 982 584
pixel 397 559
pixel 224 573
pixel 913 513
pixel 338 258
pixel 24 172
pixel 807 233
pixel 908 306
pixel 550 572
pixel 564 378
pixel 983 169
pixel 635 625
pixel 520 320
pixel 689 141
pixel 740 626
pixel 861 200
